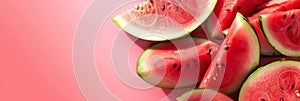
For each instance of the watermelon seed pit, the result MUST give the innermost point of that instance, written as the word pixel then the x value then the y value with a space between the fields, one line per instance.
pixel 226 47
pixel 163 7
pixel 262 99
pixel 293 16
pixel 151 1
pixel 210 51
pixel 238 8
pixel 175 65
pixel 179 68
pixel 284 16
pixel 188 65
pixel 281 99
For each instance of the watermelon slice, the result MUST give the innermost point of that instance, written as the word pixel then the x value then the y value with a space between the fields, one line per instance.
pixel 237 57
pixel 270 7
pixel 159 20
pixel 282 29
pixel 176 64
pixel 277 81
pixel 203 95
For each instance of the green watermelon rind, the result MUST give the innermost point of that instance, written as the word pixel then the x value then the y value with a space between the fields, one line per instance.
pixel 198 90
pixel 139 69
pixel 266 68
pixel 192 27
pixel 273 42
pixel 256 58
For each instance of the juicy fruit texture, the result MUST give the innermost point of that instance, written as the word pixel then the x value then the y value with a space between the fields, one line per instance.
pixel 203 95
pixel 224 12
pixel 247 7
pixel 237 57
pixel 277 81
pixel 177 63
pixel 270 7
pixel 265 47
pixel 159 20
pixel 282 31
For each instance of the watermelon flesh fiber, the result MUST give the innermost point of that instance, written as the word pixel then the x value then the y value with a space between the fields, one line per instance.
pixel 282 31
pixel 234 61
pixel 277 81
pixel 270 7
pixel 165 64
pixel 160 20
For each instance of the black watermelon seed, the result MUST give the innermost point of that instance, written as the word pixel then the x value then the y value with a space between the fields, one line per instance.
pixel 151 1
pixel 238 8
pixel 293 16
pixel 188 65
pixel 284 16
pixel 290 27
pixel 163 8
pixel 281 99
pixel 223 65
pixel 262 99
pixel 226 47
pixel 210 51
pixel 228 10
pixel 196 63
pixel 179 68
pixel 177 8
pixel 256 5
pixel 292 87
pixel 175 65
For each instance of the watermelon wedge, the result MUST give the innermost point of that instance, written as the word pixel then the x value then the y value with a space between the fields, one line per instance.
pixel 176 64
pixel 236 59
pixel 277 81
pixel 203 95
pixel 160 20
pixel 282 30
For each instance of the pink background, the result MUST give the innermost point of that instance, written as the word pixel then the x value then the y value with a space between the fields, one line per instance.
pixel 36 39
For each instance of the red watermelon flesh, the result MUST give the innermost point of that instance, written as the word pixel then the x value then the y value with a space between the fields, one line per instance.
pixel 270 7
pixel 203 94
pixel 237 57
pixel 287 4
pixel 265 47
pixel 249 7
pixel 221 18
pixel 277 81
pixel 161 20
pixel 177 63
pixel 282 30
pixel 264 60
pixel 225 12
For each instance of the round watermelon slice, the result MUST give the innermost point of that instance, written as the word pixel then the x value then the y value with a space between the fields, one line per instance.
pixel 282 31
pixel 176 64
pixel 203 94
pixel 159 20
pixel 277 81
pixel 236 59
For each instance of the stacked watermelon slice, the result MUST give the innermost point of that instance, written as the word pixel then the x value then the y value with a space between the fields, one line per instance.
pixel 226 49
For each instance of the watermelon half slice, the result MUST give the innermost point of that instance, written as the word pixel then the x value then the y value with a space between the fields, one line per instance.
pixel 282 30
pixel 277 81
pixel 236 59
pixel 177 63
pixel 159 20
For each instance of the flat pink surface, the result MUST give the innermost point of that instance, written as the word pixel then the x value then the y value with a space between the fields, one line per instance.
pixel 36 38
